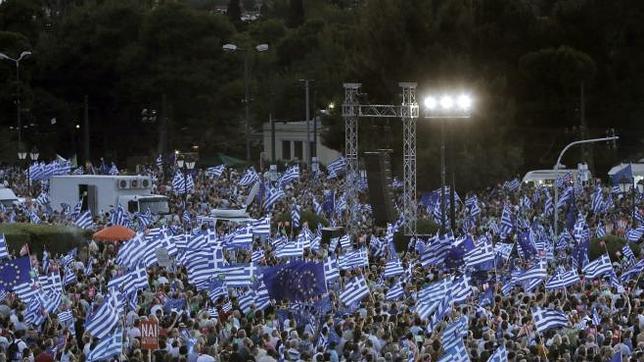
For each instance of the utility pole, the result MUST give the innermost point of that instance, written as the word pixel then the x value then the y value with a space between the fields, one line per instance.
pixel 272 122
pixel 308 126
pixel 246 110
pixel 86 130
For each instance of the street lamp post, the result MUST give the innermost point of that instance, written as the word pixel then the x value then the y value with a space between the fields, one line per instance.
pixel 447 107
pixel 558 165
pixel 22 56
pixel 309 157
pixel 231 48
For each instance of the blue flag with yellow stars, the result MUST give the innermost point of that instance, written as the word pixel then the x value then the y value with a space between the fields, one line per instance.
pixel 295 281
pixel 14 272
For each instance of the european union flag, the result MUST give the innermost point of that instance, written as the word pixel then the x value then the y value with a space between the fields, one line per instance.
pixel 14 272
pixel 295 281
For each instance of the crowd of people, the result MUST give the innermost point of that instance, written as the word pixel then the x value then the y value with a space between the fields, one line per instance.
pixel 499 286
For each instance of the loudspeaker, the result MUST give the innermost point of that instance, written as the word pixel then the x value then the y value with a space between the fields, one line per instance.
pixel 378 165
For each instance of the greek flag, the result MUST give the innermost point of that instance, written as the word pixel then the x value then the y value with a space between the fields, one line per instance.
pixel 354 259
pixel 290 175
pixel 565 197
pixel 239 276
pixel 159 161
pixel 107 347
pixel 506 221
pixel 461 289
pixel 215 171
pixel 290 250
pixel 600 231
pixel 481 254
pixel 538 271
pixel 500 355
pixel 354 291
pixel 457 353
pixel 503 250
pixel 548 205
pixel 634 235
pixel 512 185
pixel 120 216
pixel 249 178
pixel 396 291
pixel 113 170
pixel 65 317
pixel 436 291
pixel 262 227
pixel 633 272
pixel 4 251
pixel 337 167
pixel 85 220
pixel 295 216
pixel 393 268
pixel 33 217
pixel 546 318
pixel 104 320
pixel 597 200
pixel 598 267
pixel 473 205
pixel 563 279
pixel 273 196
pixel 42 199
pixel 331 269
pixel 345 242
pixel 317 208
pixel 454 333
pixel 626 250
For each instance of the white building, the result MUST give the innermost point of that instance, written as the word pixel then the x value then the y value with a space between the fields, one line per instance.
pixel 291 143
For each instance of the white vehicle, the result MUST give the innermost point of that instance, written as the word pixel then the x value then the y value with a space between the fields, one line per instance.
pixel 546 177
pixel 240 215
pixel 7 198
pixel 102 193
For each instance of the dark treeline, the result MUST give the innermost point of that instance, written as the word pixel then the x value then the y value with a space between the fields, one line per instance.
pixel 526 63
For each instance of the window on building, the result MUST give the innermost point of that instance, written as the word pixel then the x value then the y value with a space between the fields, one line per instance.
pixel 298 150
pixel 286 150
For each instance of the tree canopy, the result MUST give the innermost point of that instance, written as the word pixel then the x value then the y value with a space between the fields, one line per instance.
pixel 524 61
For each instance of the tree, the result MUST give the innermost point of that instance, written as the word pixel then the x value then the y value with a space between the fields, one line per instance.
pixel 234 12
pixel 296 13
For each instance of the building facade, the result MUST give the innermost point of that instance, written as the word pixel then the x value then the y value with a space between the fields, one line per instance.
pixel 291 143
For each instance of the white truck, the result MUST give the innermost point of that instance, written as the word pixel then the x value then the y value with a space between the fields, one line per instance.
pixel 102 193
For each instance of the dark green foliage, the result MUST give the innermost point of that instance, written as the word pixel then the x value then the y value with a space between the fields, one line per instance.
pixel 613 244
pixel 306 216
pixel 523 61
pixel 55 238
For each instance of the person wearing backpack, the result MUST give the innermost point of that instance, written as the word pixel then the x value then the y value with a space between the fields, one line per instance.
pixel 16 348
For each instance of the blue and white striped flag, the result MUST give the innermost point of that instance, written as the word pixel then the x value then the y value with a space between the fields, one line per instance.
pixel 215 171
pixel 104 320
pixel 85 220
pixel 600 231
pixel 481 254
pixel 512 185
pixel 4 251
pixel 629 256
pixel 295 216
pixel 500 355
pixel 547 318
pixel 290 175
pixel 393 268
pixel 598 267
pixel 109 346
pixel 273 196
pixel 249 177
pixel 331 269
pixel 635 234
pixel 65 317
pixel 597 200
pixel 435 291
pixel 454 332
pixel 337 167
pixel 159 161
pixel 354 291
pixel 396 291
pixel 563 279
pixel 262 227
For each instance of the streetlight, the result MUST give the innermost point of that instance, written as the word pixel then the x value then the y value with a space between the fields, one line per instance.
pixel 443 107
pixel 309 158
pixel 231 48
pixel 22 56
pixel 558 165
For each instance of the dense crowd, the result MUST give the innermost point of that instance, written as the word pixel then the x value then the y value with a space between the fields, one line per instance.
pixel 431 300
